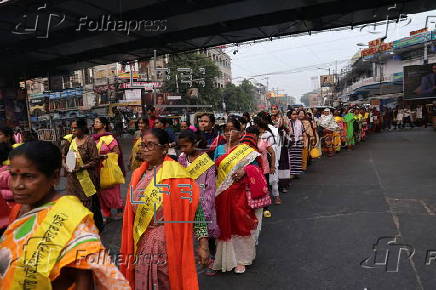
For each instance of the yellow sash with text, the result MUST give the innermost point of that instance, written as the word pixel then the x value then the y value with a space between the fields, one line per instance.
pixel 46 243
pixel 106 140
pixel 151 198
pixel 199 166
pixel 83 175
pixel 230 161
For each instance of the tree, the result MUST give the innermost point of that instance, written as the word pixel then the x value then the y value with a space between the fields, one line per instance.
pixel 240 98
pixel 207 94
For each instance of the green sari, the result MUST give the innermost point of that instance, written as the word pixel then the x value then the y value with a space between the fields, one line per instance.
pixel 349 120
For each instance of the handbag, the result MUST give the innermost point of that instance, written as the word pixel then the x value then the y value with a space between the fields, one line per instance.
pixel 315 152
pixel 110 173
pixel 258 203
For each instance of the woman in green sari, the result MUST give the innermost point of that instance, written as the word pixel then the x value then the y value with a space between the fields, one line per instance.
pixel 349 120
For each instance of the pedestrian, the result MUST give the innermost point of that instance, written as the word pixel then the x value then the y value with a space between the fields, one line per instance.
pixel 206 125
pixel 165 124
pixel 328 126
pixel 407 118
pixel 308 138
pixel 108 148
pixel 266 141
pixel 151 115
pixel 296 144
pixel 6 196
pixel 41 210
pixel 236 219
pixel 149 229
pixel 135 159
pixel 281 123
pixel 339 133
pixel 83 180
pixel 7 136
pixel 400 118
pixel 202 169
pixel 349 120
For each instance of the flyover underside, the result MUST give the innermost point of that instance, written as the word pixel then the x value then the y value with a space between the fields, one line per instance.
pixel 189 25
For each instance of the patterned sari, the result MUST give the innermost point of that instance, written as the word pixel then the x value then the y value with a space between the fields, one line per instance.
pixel 61 234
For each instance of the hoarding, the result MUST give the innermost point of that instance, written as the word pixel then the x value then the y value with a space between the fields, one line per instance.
pixel 13 108
pixel 412 40
pixel 420 81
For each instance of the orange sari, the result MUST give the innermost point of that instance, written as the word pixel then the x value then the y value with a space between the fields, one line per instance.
pixel 178 236
pixel 83 249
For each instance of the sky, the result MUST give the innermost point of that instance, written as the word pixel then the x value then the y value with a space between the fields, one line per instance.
pixel 321 50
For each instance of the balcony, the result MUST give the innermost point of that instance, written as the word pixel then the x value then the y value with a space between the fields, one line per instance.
pixel 366 82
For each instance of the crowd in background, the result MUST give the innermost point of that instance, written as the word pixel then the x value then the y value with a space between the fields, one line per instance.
pixel 201 185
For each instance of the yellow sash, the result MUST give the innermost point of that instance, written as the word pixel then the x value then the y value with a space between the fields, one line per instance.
pixel 232 160
pixel 106 140
pixel 83 175
pixel 199 166
pixel 68 137
pixel 46 243
pixel 133 162
pixel 151 198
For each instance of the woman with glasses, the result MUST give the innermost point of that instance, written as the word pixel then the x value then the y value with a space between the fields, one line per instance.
pixel 162 211
pixel 83 180
pixel 236 220
pixel 108 147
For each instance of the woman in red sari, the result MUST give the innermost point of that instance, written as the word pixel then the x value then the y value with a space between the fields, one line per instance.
pixel 236 220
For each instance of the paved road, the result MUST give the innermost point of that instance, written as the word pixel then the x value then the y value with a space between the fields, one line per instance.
pixel 334 214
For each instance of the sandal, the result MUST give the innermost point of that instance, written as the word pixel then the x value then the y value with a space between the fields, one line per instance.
pixel 209 270
pixel 240 269
pixel 277 200
pixel 267 213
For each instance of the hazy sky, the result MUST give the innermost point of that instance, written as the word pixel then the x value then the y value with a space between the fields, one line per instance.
pixel 300 52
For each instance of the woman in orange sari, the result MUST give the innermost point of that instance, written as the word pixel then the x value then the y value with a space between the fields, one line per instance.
pixel 162 211
pixel 52 241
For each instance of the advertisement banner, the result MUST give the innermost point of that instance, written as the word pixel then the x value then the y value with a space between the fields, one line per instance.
pixel 327 80
pixel 13 108
pixel 133 95
pixel 412 40
pixel 148 86
pixel 420 81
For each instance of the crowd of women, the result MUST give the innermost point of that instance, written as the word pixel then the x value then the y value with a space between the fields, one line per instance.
pixel 198 186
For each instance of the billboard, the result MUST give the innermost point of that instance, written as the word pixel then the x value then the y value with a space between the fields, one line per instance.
pixel 13 108
pixel 327 80
pixel 420 81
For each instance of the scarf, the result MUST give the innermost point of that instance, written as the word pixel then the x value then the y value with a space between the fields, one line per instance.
pixel 328 122
pixel 297 128
pixel 120 156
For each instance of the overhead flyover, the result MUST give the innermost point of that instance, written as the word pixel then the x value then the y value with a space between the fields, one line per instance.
pixel 54 36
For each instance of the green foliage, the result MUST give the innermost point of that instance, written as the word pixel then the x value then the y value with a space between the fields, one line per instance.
pixel 209 94
pixel 240 98
pixel 237 98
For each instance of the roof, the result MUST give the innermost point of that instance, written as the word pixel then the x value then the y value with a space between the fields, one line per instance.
pixel 75 34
